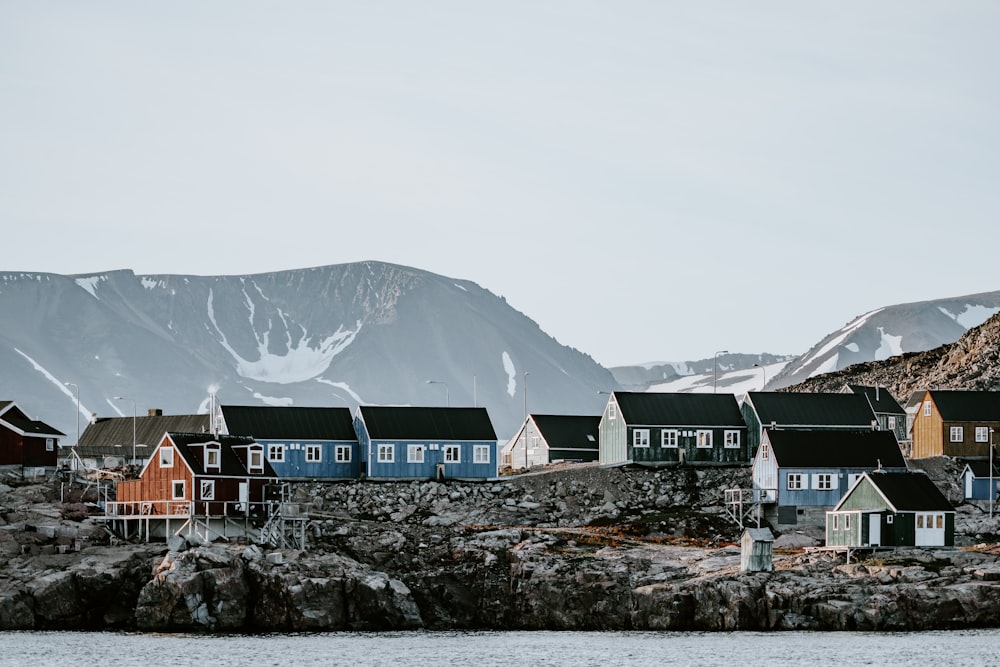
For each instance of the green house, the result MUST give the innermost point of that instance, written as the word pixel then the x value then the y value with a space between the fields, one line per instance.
pixel 892 509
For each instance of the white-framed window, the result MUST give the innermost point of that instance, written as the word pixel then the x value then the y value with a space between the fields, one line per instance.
pixel 276 453
pixel 982 434
pixel 414 453
pixel 342 453
pixel 255 459
pixel 213 458
pixel 481 454
pixel 208 489
pixel 536 441
pixel 178 489
pixel 847 522
pixel 836 522
pixel 824 481
pixel 452 454
pixel 704 439
pixel 795 481
pixel 668 438
pixel 166 457
pixel 888 518
pixel 386 453
pixel 892 423
pixel 852 478
pixel 764 452
pixel 732 440
pixel 612 411
pixel 927 408
pixel 956 434
pixel 640 437
pixel 50 444
pixel 314 453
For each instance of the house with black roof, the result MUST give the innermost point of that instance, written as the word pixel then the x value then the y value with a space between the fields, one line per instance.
pixel 888 412
pixel 799 474
pixel 426 442
pixel 804 411
pixel 978 483
pixel 109 442
pixel 546 439
pixel 672 428
pixel 887 509
pixel 956 423
pixel 26 444
pixel 300 442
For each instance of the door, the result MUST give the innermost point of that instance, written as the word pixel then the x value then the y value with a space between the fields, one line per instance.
pixel 244 496
pixel 874 530
pixel 930 529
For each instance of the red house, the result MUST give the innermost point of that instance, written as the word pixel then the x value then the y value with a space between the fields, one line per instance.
pixel 25 443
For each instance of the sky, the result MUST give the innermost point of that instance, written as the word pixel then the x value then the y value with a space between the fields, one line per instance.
pixel 648 181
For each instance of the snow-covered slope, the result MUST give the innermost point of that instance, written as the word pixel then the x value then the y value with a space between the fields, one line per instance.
pixel 368 332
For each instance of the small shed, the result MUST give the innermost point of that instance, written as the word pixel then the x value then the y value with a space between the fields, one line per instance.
pixel 977 481
pixel 756 550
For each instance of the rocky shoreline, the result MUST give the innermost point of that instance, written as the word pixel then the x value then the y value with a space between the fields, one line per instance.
pixel 579 548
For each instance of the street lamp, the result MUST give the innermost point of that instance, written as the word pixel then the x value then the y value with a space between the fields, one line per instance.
pixel 764 371
pixel 993 491
pixel 72 464
pixel 124 398
pixel 715 381
pixel 525 388
pixel 447 393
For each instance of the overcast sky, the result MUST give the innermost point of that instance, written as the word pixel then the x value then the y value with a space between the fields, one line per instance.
pixel 646 180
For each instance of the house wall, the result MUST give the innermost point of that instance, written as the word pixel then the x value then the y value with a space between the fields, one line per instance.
pixel 538 451
pixel 434 452
pixel 687 446
pixel 156 483
pixel 819 497
pixel 980 487
pixel 613 432
pixel 932 435
pixel 10 448
pixel 35 452
pixel 295 465
pixel 573 454
pixel 765 475
pixel 753 427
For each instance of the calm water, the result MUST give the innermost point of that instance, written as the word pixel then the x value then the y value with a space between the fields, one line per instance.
pixel 485 649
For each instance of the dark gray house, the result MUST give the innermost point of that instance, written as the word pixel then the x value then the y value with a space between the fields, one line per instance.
pixel 890 414
pixel 804 411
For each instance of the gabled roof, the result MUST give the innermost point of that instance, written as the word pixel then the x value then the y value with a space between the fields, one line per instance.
pixel 112 436
pixel 805 409
pixel 32 428
pixel 880 398
pixel 906 492
pixel 981 469
pixel 967 406
pixel 231 465
pixel 578 432
pixel 675 409
pixel 419 423
pixel 835 449
pixel 300 423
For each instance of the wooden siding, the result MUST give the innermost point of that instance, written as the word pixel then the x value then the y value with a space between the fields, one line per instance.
pixel 613 432
pixel 932 435
pixel 687 446
pixel 295 464
pixel 465 468
pixel 753 427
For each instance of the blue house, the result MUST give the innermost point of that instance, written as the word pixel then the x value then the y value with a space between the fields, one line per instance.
pixel 299 442
pixel 426 443
pixel 976 481
pixel 799 474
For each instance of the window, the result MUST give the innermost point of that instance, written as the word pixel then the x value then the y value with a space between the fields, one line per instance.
pixel 704 438
pixel 342 453
pixel 795 481
pixel 208 489
pixel 536 442
pixel 764 452
pixel 836 522
pixel 481 454
pixel 957 434
pixel 852 478
pixel 166 457
pixel 276 453
pixel 612 411
pixel 212 458
pixel 824 481
pixel 314 453
pixel 386 453
pixel 732 439
pixel 668 438
pixel 888 518
pixel 50 444
pixel 927 408
pixel 179 488
pixel 414 453
pixel 892 423
pixel 452 454
pixel 847 522
pixel 982 434
pixel 640 437
pixel 940 521
pixel 256 459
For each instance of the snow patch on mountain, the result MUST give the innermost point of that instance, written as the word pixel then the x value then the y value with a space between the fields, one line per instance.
pixel 972 316
pixel 90 284
pixel 836 341
pixel 889 347
pixel 508 367
pixel 344 387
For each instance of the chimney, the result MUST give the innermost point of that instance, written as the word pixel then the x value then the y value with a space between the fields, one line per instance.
pixel 155 412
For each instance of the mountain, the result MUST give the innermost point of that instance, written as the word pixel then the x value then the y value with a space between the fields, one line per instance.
pixel 701 375
pixel 367 332
pixel 891 331
pixel 971 362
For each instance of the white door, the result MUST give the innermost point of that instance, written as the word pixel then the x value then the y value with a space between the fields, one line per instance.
pixel 968 486
pixel 930 529
pixel 874 530
pixel 244 496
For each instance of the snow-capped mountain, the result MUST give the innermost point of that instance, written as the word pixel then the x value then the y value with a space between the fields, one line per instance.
pixel 890 331
pixel 703 375
pixel 368 332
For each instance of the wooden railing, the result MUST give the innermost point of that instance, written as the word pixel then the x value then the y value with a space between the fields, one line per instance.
pixel 184 508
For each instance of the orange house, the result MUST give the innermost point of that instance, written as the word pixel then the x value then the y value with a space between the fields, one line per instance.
pixel 956 423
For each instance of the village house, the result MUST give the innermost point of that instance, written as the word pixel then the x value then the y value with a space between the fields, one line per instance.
pixel 955 423
pixel 110 442
pixel 672 428
pixel 887 509
pixel 426 443
pixel 799 474
pixel 978 483
pixel 550 438
pixel 804 411
pixel 888 412
pixel 300 442
pixel 27 445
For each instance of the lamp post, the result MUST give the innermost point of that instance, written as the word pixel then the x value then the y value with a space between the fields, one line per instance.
pixel 77 443
pixel 763 370
pixel 715 381
pixel 124 398
pixel 447 393
pixel 993 491
pixel 526 374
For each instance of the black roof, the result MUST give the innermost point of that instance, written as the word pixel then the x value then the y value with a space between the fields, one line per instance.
pixel 655 409
pixel 880 398
pixel 420 423
pixel 981 468
pixel 967 406
pixel 112 436
pixel 301 423
pixel 794 448
pixel 30 427
pixel 910 491
pixel 579 432
pixel 806 409
pixel 231 465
